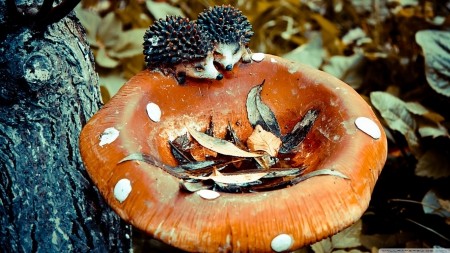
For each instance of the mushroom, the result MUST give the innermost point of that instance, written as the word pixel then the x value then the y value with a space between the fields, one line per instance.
pixel 149 197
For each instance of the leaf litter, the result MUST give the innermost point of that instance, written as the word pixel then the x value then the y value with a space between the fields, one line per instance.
pixel 261 163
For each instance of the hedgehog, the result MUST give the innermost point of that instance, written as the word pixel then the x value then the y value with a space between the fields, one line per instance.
pixel 231 33
pixel 179 46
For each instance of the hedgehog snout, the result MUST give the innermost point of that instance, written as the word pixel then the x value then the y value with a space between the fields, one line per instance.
pixel 219 77
pixel 229 67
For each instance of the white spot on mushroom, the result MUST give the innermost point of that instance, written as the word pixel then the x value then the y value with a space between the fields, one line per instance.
pixel 273 60
pixel 122 189
pixel 281 242
pixel 154 112
pixel 368 126
pixel 257 57
pixel 208 194
pixel 109 135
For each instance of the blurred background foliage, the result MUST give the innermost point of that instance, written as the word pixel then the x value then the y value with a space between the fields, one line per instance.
pixel 395 53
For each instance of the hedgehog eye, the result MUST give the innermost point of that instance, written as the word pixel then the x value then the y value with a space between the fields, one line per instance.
pixel 199 68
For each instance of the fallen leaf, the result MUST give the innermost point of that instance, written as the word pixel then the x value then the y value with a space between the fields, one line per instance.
pixel 432 203
pixel 232 136
pixel 310 53
pixel 194 186
pixel 200 153
pixel 435 45
pixel 260 114
pixel 431 129
pixel 273 173
pixel 418 109
pixel 434 163
pixel 218 145
pixel 109 30
pixel 293 139
pixel 321 172
pixel 347 68
pixel 445 204
pixel 396 114
pixel 128 44
pixel 113 81
pixel 235 179
pixel 90 21
pixel 266 161
pixel 179 155
pixel 347 238
pixel 261 140
pixel 103 59
pixel 162 9
pixel 178 171
pixel 387 240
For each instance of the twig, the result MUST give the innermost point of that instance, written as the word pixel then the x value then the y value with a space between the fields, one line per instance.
pixel 429 229
pixel 437 209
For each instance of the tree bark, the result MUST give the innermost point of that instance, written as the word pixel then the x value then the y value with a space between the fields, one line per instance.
pixel 48 91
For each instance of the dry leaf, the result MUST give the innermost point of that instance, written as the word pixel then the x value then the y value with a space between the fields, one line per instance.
pixel 445 204
pixel 348 238
pixel 194 186
pixel 433 203
pixel 321 172
pixel 262 140
pixel 235 179
pixel 219 145
pixel 200 153
pixel 434 163
pixel 259 113
pixel 294 138
pixel 266 161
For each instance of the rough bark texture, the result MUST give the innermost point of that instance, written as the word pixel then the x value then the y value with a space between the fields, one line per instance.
pixel 48 90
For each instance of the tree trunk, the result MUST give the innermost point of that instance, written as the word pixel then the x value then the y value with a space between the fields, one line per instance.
pixel 48 90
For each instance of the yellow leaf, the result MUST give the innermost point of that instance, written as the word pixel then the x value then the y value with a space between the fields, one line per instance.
pixel 104 60
pixel 129 44
pixel 109 30
pixel 262 140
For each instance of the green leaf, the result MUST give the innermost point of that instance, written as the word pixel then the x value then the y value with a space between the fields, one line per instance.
pixel 428 128
pixel 347 68
pixel 436 48
pixel 109 30
pixel 104 60
pixel 129 44
pixel 434 163
pixel 112 82
pixel 397 116
pixel 347 238
pixel 421 110
pixel 310 53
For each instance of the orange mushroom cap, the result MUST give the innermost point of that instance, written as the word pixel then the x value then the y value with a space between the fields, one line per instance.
pixel 150 198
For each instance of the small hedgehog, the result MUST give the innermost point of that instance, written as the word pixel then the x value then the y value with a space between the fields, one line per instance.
pixel 179 46
pixel 231 33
